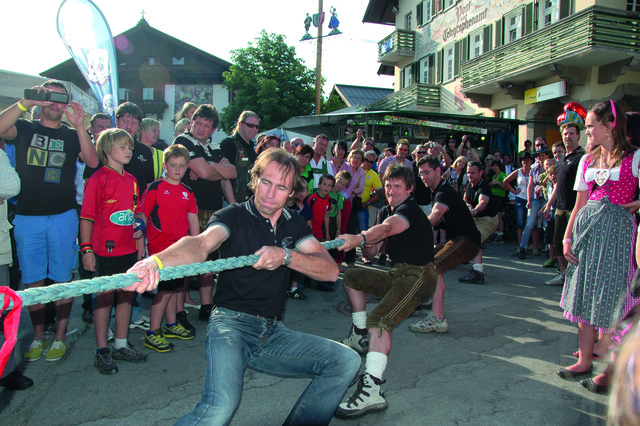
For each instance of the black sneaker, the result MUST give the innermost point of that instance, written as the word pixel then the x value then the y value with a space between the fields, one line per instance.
pixel 382 259
pixel 474 277
pixel 130 354
pixel 358 340
pixel 521 254
pixel 87 316
pixel 104 363
pixel 297 294
pixel 367 398
pixel 182 319
pixel 205 312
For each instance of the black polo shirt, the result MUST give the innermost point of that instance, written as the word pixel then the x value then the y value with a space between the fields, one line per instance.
pixel 457 219
pixel 208 193
pixel 567 172
pixel 421 193
pixel 256 292
pixel 415 244
pixel 473 193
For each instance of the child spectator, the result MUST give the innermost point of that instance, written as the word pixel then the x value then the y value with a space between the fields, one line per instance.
pixel 343 178
pixel 498 176
pixel 108 210
pixel 169 212
pixel 299 205
pixel 551 180
pixel 321 204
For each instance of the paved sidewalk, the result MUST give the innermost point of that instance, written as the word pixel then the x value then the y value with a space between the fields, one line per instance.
pixel 495 366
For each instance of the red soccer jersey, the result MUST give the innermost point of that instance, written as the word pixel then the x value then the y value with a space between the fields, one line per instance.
pixel 110 202
pixel 319 207
pixel 167 207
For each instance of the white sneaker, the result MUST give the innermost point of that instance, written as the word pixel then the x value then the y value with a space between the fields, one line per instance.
pixel 358 340
pixel 557 280
pixel 143 323
pixel 430 323
pixel 368 397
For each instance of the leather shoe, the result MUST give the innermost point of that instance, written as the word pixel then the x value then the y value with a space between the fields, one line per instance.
pixel 568 374
pixel 592 386
pixel 15 381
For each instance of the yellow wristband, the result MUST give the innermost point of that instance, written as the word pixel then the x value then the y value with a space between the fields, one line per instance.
pixel 22 107
pixel 157 259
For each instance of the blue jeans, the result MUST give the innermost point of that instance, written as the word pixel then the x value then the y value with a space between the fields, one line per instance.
pixel 363 220
pixel 532 221
pixel 236 340
pixel 521 212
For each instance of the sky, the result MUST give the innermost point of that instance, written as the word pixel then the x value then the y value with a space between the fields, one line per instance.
pixel 32 45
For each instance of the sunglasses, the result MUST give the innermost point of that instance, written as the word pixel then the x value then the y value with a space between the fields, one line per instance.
pixel 368 161
pixel 422 152
pixel 251 125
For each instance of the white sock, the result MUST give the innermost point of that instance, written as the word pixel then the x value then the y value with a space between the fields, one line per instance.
pixel 375 364
pixel 120 343
pixel 359 319
pixel 478 268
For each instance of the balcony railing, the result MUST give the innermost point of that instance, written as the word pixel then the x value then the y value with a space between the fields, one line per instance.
pixel 414 97
pixel 397 46
pixel 573 36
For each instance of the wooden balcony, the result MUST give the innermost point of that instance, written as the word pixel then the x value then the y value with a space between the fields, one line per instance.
pixel 398 48
pixel 416 97
pixel 597 36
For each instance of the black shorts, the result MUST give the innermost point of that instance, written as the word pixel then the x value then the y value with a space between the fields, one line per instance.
pixel 549 231
pixel 171 285
pixel 107 265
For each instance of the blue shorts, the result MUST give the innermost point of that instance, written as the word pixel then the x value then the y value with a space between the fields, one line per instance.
pixel 46 246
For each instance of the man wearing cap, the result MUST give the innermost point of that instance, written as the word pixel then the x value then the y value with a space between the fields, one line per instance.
pixel 535 199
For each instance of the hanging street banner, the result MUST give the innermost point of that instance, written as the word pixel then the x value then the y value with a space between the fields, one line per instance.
pixel 84 30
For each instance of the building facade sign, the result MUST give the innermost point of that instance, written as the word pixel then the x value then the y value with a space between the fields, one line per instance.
pixel 546 92
pixel 458 21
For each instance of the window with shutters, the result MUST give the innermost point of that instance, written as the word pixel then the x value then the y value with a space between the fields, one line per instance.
pixel 147 93
pixel 427 68
pixel 549 12
pixel 448 63
pixel 426 11
pixel 448 3
pixel 408 20
pixel 476 43
pixel 513 26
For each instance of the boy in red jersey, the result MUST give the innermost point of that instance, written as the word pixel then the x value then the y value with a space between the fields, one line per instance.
pixel 169 212
pixel 320 204
pixel 108 243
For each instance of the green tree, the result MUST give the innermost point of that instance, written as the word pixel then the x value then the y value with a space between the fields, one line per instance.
pixel 270 80
pixel 332 104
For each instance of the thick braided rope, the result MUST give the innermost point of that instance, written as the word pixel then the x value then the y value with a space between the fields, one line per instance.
pixel 33 296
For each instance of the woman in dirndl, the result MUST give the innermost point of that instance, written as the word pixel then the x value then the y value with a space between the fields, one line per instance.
pixel 600 236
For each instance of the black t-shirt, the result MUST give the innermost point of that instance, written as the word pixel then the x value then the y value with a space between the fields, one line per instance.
pixel 415 244
pixel 567 172
pixel 458 219
pixel 140 166
pixel 208 193
pixel 46 163
pixel 256 292
pixel 242 155
pixel 422 194
pixel 473 193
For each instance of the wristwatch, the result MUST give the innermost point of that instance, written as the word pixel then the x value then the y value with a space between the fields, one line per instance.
pixel 287 257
